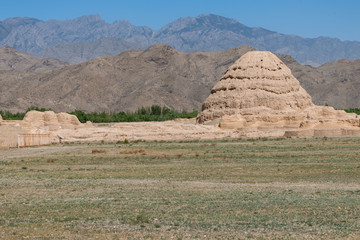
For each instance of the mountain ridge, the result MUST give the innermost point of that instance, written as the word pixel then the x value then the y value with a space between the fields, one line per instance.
pixel 11 59
pixel 84 51
pixel 203 33
pixel 159 75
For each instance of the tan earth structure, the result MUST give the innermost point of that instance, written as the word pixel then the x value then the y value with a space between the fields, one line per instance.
pixel 259 93
pixel 257 97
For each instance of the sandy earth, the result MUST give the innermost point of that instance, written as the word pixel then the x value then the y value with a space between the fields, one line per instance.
pixel 179 129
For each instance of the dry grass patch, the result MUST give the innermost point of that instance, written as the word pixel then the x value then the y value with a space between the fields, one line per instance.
pixel 240 189
pixel 135 151
pixel 98 151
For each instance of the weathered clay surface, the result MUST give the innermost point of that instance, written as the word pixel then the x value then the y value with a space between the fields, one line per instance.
pixel 50 120
pixel 68 127
pixel 9 135
pixel 259 82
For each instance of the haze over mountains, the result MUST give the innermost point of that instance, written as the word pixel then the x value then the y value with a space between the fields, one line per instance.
pixel 89 37
pixel 158 75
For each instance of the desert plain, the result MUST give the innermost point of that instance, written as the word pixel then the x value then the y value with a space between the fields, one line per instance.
pixel 255 188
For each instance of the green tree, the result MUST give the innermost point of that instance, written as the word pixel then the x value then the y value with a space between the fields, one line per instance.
pixel 155 110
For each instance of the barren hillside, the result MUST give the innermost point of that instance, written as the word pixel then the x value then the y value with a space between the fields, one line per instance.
pixel 159 75
pixel 336 83
pixel 13 60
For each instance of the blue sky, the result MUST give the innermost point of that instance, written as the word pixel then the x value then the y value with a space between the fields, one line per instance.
pixel 306 18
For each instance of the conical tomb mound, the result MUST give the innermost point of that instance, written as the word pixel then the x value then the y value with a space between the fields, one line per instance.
pixel 258 95
pixel 258 82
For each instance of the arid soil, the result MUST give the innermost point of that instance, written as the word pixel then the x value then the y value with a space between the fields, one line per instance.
pixel 74 131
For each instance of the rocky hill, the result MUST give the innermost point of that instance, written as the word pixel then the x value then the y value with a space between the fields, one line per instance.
pixel 335 83
pixel 84 51
pixel 160 75
pixel 81 37
pixel 13 60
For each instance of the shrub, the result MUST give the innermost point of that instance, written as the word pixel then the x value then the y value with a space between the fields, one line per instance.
pixel 353 110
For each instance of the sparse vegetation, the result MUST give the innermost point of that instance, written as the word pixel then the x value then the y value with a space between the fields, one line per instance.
pixel 153 113
pixel 353 110
pixel 98 151
pixel 7 115
pixel 143 114
pixel 273 188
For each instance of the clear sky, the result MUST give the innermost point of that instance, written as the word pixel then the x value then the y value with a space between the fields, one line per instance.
pixel 306 18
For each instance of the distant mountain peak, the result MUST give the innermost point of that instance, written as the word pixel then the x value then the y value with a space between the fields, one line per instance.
pixel 216 18
pixel 89 18
pixel 204 20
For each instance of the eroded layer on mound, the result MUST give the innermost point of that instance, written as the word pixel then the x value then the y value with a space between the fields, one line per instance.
pixel 309 118
pixel 258 79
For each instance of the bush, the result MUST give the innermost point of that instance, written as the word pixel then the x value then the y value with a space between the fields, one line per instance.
pixel 155 110
pixel 353 110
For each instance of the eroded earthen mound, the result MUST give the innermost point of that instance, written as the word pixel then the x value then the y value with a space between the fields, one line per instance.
pixel 50 120
pixel 259 92
pixel 256 83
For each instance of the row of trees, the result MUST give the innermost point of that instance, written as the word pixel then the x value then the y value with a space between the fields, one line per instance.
pixel 153 113
pixel 353 110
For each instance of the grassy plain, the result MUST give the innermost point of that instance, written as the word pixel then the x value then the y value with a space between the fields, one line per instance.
pixel 234 189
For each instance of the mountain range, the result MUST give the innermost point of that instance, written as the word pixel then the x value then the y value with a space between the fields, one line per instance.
pixel 88 37
pixel 158 75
